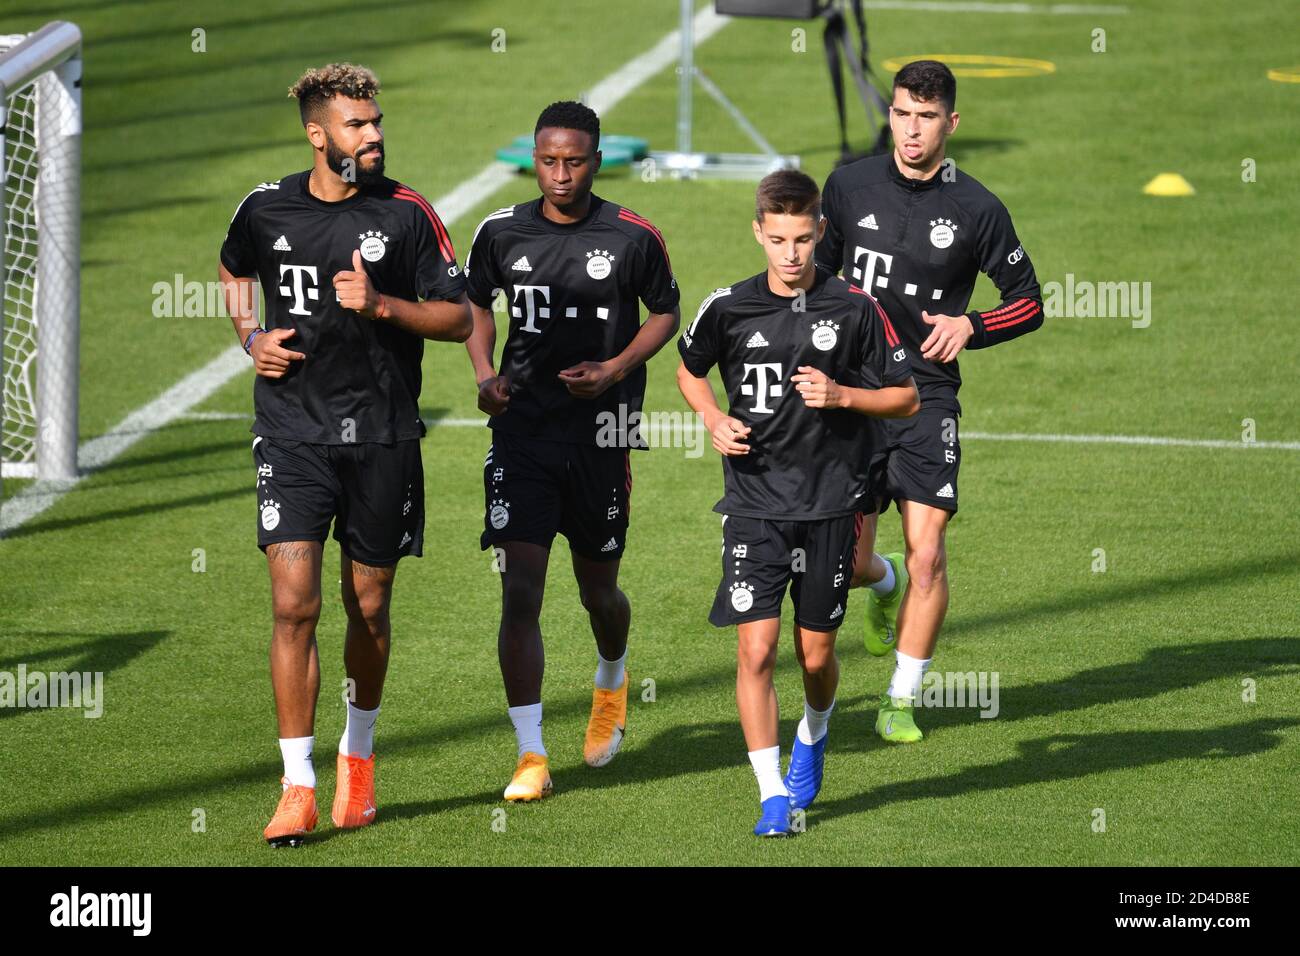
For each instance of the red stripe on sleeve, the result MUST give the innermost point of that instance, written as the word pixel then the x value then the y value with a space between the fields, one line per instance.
pixel 1015 318
pixel 891 336
pixel 439 230
pixel 1001 310
pixel 628 216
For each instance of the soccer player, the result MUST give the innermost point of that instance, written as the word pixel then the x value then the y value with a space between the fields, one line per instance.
pixel 357 272
pixel 802 355
pixel 563 409
pixel 916 232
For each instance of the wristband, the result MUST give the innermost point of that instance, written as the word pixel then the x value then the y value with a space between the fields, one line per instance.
pixel 382 311
pixel 248 342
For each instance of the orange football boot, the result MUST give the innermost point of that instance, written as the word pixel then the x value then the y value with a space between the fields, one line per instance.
pixel 532 779
pixel 606 726
pixel 294 818
pixel 354 800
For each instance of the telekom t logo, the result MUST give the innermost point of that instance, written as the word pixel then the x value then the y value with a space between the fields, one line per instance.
pixel 865 274
pixel 531 309
pixel 538 305
pixel 764 387
pixel 312 292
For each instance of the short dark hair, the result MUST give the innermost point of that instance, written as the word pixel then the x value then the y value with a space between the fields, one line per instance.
pixel 317 87
pixel 928 80
pixel 570 114
pixel 788 192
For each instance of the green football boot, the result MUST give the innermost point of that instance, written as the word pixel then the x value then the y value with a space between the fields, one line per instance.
pixel 895 723
pixel 882 612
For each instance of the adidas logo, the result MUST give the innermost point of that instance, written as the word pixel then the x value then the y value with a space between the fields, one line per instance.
pixel 756 341
pixel 868 222
pixel 612 545
pixel 282 245
pixel 405 538
pixel 944 492
pixel 838 612
pixel 521 265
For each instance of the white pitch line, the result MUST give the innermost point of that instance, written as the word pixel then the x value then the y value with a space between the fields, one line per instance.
pixel 145 420
pixel 971 6
pixel 198 386
pixel 1136 440
pixel 1015 436
pixel 1154 440
pixel 215 417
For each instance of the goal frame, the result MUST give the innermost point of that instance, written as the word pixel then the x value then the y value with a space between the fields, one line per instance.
pixel 51 58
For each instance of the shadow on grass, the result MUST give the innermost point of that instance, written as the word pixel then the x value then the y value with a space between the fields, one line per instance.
pixel 265 21
pixel 147 509
pixel 244 445
pixel 704 747
pixel 1141 589
pixel 1069 757
pixel 1162 670
pixel 102 653
pixel 362 49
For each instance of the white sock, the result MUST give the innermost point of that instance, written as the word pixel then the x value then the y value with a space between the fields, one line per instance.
pixel 296 752
pixel 908 673
pixel 767 768
pixel 609 674
pixel 885 584
pixel 358 738
pixel 813 726
pixel 528 728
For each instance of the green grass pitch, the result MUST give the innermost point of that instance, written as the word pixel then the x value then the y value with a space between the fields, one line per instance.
pixel 1120 691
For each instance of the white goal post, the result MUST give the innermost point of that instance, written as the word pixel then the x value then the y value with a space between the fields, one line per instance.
pixel 40 250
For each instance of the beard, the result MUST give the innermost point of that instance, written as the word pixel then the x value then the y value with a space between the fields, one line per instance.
pixel 339 161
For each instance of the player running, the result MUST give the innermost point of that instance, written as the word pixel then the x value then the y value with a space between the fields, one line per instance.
pixel 916 232
pixel 357 270
pixel 572 267
pixel 795 468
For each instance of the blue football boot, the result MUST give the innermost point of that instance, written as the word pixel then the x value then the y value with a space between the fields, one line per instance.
pixel 775 821
pixel 804 779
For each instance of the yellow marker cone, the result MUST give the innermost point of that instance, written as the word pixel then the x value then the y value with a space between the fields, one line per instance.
pixel 1169 184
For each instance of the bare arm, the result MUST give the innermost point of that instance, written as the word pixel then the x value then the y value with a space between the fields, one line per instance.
pixel 726 431
pixel 892 401
pixel 493 389
pixel 239 292
pixel 482 342
pixel 590 379
pixel 444 320
pixel 270 358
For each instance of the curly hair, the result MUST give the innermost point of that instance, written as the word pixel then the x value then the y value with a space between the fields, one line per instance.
pixel 318 86
pixel 570 114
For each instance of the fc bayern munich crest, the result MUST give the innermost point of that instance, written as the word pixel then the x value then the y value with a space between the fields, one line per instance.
pixel 942 233
pixel 742 596
pixel 373 245
pixel 599 263
pixel 825 334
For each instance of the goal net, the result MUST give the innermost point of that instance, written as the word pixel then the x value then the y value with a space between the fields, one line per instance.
pixel 40 132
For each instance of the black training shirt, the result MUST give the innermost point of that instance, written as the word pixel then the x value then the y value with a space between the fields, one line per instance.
pixel 360 381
